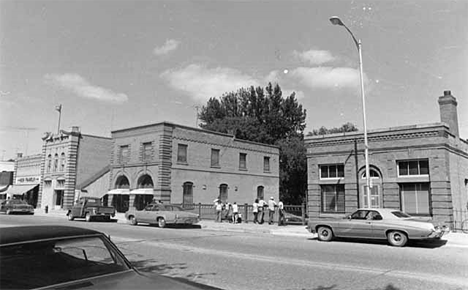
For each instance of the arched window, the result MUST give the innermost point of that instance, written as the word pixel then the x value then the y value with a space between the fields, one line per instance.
pixel 187 198
pixel 373 174
pixel 49 162
pixel 145 181
pixel 122 182
pixel 260 192
pixel 55 162
pixel 223 192
pixel 62 162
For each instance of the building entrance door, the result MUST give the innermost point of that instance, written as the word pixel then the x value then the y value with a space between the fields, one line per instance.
pixel 375 196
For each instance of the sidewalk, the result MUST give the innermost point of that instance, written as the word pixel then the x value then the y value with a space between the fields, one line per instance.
pixel 457 239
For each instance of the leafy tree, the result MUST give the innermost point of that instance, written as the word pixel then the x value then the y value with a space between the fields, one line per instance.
pixel 264 115
pixel 348 127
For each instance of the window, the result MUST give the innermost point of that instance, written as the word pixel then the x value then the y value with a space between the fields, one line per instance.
pixel 415 198
pixel 214 157
pixel 333 198
pixel 266 164
pixel 260 192
pixel 124 154
pixel 223 192
pixel 243 161
pixel 49 162
pixel 61 183
pixel 332 171
pixel 62 162
pixel 187 195
pixel 55 162
pixel 47 183
pixel 147 151
pixel 415 167
pixel 373 174
pixel 182 153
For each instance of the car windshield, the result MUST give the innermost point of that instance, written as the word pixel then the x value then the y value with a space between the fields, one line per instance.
pixel 50 262
pixel 17 201
pixel 400 214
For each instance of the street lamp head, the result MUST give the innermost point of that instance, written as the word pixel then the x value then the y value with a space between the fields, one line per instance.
pixel 335 20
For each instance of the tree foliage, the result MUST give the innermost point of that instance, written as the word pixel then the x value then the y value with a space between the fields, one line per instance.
pixel 348 127
pixel 263 115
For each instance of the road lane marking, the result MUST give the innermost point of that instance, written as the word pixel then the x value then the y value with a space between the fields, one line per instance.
pixel 303 263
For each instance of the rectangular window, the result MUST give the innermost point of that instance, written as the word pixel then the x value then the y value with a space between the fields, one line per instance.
pixel 61 183
pixel 413 168
pixel 124 154
pixel 147 151
pixel 182 153
pixel 332 171
pixel 415 198
pixel 47 183
pixel 333 198
pixel 214 157
pixel 243 161
pixel 266 164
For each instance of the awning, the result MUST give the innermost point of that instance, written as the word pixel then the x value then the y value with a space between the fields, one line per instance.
pixel 93 194
pixel 119 191
pixel 145 191
pixel 20 189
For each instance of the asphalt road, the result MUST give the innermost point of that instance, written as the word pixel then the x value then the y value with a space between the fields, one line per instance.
pixel 262 261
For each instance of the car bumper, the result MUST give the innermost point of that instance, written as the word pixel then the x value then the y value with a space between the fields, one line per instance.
pixel 186 221
pixel 21 210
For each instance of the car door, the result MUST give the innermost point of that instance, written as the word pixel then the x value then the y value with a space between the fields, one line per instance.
pixel 355 226
pixel 379 226
pixel 2 206
pixel 145 214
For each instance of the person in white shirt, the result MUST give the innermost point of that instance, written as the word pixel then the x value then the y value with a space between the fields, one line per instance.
pixel 281 217
pixel 219 208
pixel 235 212
pixel 261 210
pixel 255 206
pixel 271 209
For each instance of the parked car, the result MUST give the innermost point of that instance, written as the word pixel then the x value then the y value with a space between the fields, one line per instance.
pixel 162 215
pixel 395 226
pixel 292 219
pixel 16 206
pixel 90 208
pixel 61 257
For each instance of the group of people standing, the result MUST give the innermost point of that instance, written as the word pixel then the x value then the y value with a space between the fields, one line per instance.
pixel 231 213
pixel 260 207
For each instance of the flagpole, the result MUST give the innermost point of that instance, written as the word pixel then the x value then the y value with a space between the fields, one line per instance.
pixel 59 109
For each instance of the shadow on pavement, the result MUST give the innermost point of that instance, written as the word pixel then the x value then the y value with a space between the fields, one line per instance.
pixel 430 244
pixel 171 226
pixel 334 287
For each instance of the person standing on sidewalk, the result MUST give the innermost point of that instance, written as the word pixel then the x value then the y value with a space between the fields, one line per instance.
pixel 219 209
pixel 261 210
pixel 235 212
pixel 281 217
pixel 271 209
pixel 255 206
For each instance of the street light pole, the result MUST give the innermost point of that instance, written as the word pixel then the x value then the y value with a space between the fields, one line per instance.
pixel 337 21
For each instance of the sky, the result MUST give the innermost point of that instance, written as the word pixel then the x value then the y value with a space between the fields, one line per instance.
pixel 120 64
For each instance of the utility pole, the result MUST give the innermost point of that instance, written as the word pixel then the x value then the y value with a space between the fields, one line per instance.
pixel 196 121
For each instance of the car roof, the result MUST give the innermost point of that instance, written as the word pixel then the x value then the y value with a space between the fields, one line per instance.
pixel 25 234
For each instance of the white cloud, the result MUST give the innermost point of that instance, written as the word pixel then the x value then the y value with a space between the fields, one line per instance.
pixel 170 45
pixel 202 83
pixel 82 88
pixel 314 57
pixel 327 77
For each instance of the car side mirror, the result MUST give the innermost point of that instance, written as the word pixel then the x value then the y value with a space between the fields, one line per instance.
pixel 378 217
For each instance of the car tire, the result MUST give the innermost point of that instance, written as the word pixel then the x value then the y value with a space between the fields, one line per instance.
pixel 71 217
pixel 397 238
pixel 161 222
pixel 8 212
pixel 88 217
pixel 324 234
pixel 133 221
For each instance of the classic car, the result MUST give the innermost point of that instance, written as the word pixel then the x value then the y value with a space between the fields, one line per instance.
pixel 377 223
pixel 90 208
pixel 16 206
pixel 162 215
pixel 62 257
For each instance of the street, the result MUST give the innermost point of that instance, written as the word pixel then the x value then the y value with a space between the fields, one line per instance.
pixel 231 260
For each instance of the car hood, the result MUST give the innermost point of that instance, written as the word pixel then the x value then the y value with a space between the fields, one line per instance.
pixel 131 280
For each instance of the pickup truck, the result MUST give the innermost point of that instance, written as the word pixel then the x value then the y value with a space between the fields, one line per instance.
pixel 90 208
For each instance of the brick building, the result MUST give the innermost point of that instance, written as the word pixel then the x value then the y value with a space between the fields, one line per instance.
pixel 420 169
pixel 26 178
pixel 69 161
pixel 185 165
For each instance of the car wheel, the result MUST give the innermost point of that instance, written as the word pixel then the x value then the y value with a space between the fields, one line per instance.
pixel 324 234
pixel 88 217
pixel 133 220
pixel 397 238
pixel 161 222
pixel 70 217
pixel 8 212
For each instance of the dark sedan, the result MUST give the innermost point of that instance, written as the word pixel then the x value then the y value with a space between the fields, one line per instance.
pixel 16 206
pixel 61 257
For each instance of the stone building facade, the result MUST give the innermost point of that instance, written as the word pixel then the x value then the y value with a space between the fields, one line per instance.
pixel 420 169
pixel 27 178
pixel 184 165
pixel 68 160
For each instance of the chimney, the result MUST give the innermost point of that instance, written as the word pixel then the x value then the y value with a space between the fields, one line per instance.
pixel 19 155
pixel 448 112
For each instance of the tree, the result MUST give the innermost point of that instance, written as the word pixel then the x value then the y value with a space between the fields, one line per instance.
pixel 348 127
pixel 265 116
